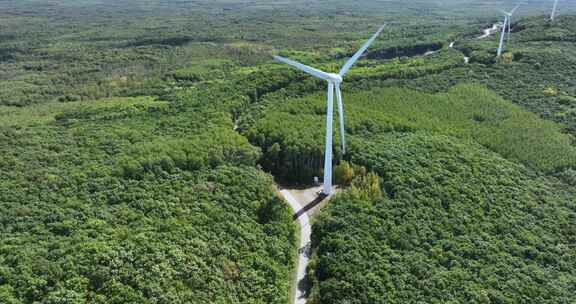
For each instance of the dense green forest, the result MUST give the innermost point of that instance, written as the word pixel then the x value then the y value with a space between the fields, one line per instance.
pixel 137 201
pixel 457 224
pixel 141 143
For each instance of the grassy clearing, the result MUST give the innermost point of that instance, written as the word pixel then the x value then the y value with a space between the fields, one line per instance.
pixel 48 112
pixel 469 111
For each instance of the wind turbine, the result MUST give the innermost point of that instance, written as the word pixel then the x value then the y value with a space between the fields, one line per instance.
pixel 510 14
pixel 553 14
pixel 334 81
pixel 506 26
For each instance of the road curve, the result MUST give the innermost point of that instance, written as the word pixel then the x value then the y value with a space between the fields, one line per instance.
pixel 303 249
pixel 489 31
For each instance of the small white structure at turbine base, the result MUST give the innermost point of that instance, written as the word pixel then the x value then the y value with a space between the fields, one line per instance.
pixel 334 81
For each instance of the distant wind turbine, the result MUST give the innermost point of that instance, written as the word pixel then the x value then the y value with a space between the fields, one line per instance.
pixel 510 14
pixel 506 27
pixel 553 14
pixel 334 81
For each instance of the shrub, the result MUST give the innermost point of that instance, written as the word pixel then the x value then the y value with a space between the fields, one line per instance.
pixel 343 174
pixel 550 91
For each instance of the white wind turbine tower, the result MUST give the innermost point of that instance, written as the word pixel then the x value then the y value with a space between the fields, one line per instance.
pixel 506 26
pixel 553 14
pixel 334 81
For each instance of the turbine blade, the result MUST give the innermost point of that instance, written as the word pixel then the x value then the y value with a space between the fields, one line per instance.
pixel 514 9
pixel 510 28
pixel 341 116
pixel 359 53
pixel 310 70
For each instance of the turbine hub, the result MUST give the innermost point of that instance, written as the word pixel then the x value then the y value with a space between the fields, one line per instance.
pixel 335 78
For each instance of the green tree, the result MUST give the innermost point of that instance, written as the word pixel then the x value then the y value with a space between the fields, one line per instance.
pixel 367 186
pixel 343 174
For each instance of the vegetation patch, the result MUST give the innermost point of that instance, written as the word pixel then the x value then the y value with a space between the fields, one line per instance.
pixel 128 202
pixel 458 224
pixel 291 134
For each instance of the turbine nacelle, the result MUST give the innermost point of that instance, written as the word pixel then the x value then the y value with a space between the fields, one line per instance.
pixel 510 13
pixel 334 78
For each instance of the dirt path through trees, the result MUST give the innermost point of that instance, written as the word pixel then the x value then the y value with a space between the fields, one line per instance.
pixel 305 203
pixel 490 31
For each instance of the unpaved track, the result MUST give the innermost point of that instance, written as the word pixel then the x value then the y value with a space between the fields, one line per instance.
pixel 487 33
pixel 490 31
pixel 306 204
pixel 303 248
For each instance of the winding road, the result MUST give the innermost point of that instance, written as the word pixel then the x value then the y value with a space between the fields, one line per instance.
pixel 486 33
pixel 490 31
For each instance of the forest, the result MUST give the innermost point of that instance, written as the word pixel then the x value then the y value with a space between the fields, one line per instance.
pixel 456 224
pixel 127 206
pixel 143 143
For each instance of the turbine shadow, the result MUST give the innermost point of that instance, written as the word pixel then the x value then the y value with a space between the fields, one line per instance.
pixel 310 205
pixel 303 285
